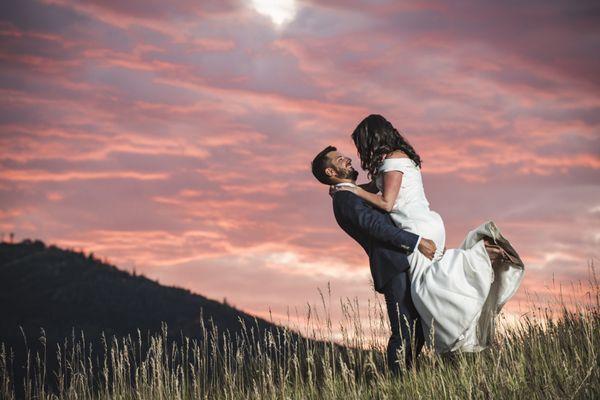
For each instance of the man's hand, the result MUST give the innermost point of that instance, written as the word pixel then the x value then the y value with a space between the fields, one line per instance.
pixel 427 247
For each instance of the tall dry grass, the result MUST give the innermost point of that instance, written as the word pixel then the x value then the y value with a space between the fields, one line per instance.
pixel 544 356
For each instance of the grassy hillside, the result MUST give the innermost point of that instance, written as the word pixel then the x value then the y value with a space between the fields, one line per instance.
pixel 541 358
pixel 59 294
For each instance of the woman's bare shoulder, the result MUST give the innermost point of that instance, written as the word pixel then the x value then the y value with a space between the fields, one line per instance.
pixel 396 154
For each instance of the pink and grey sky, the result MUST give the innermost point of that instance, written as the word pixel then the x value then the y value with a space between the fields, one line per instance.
pixel 175 137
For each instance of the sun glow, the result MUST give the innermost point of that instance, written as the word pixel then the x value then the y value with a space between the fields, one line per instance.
pixel 279 11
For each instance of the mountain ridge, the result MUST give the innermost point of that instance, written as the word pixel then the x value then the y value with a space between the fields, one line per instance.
pixel 46 284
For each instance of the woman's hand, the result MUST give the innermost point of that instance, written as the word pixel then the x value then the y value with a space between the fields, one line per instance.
pixel 333 189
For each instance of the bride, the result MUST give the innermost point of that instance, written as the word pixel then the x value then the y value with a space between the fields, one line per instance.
pixel 459 292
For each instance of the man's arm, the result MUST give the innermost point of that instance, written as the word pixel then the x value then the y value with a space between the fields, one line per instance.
pixel 372 222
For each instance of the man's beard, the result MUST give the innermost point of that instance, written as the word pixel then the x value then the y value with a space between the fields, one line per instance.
pixel 351 174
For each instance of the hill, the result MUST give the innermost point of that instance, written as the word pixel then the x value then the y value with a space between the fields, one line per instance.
pixel 61 290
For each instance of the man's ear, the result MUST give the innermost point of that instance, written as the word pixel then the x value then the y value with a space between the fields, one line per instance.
pixel 330 172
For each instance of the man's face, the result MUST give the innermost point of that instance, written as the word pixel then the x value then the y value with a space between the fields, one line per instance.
pixel 341 166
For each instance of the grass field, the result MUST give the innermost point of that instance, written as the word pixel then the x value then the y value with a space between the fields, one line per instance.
pixel 545 356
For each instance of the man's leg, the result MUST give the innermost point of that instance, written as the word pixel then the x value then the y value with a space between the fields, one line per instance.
pixel 404 321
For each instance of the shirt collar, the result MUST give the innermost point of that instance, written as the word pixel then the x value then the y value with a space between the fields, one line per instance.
pixel 345 184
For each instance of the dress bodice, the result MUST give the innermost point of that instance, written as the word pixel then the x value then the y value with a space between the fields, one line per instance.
pixel 412 194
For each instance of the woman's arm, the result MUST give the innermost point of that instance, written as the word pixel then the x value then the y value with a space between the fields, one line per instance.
pixel 391 187
pixel 370 187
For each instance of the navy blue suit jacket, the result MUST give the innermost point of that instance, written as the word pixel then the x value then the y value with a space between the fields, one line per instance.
pixel 386 245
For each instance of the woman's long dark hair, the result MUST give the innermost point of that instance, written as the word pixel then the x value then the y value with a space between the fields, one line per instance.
pixel 375 137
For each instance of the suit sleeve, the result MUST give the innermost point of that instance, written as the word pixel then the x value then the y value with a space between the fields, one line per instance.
pixel 373 223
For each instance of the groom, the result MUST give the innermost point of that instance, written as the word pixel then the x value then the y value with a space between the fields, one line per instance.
pixel 387 247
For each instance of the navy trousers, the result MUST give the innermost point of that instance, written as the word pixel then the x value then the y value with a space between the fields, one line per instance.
pixel 407 335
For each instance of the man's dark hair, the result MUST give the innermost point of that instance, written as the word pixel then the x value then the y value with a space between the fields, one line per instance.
pixel 320 163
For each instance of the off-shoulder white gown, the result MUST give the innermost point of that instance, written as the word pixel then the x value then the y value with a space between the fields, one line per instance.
pixel 459 294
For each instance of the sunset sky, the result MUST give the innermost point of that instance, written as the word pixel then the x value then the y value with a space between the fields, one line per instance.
pixel 175 137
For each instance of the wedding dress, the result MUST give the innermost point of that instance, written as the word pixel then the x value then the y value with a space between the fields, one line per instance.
pixel 459 293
